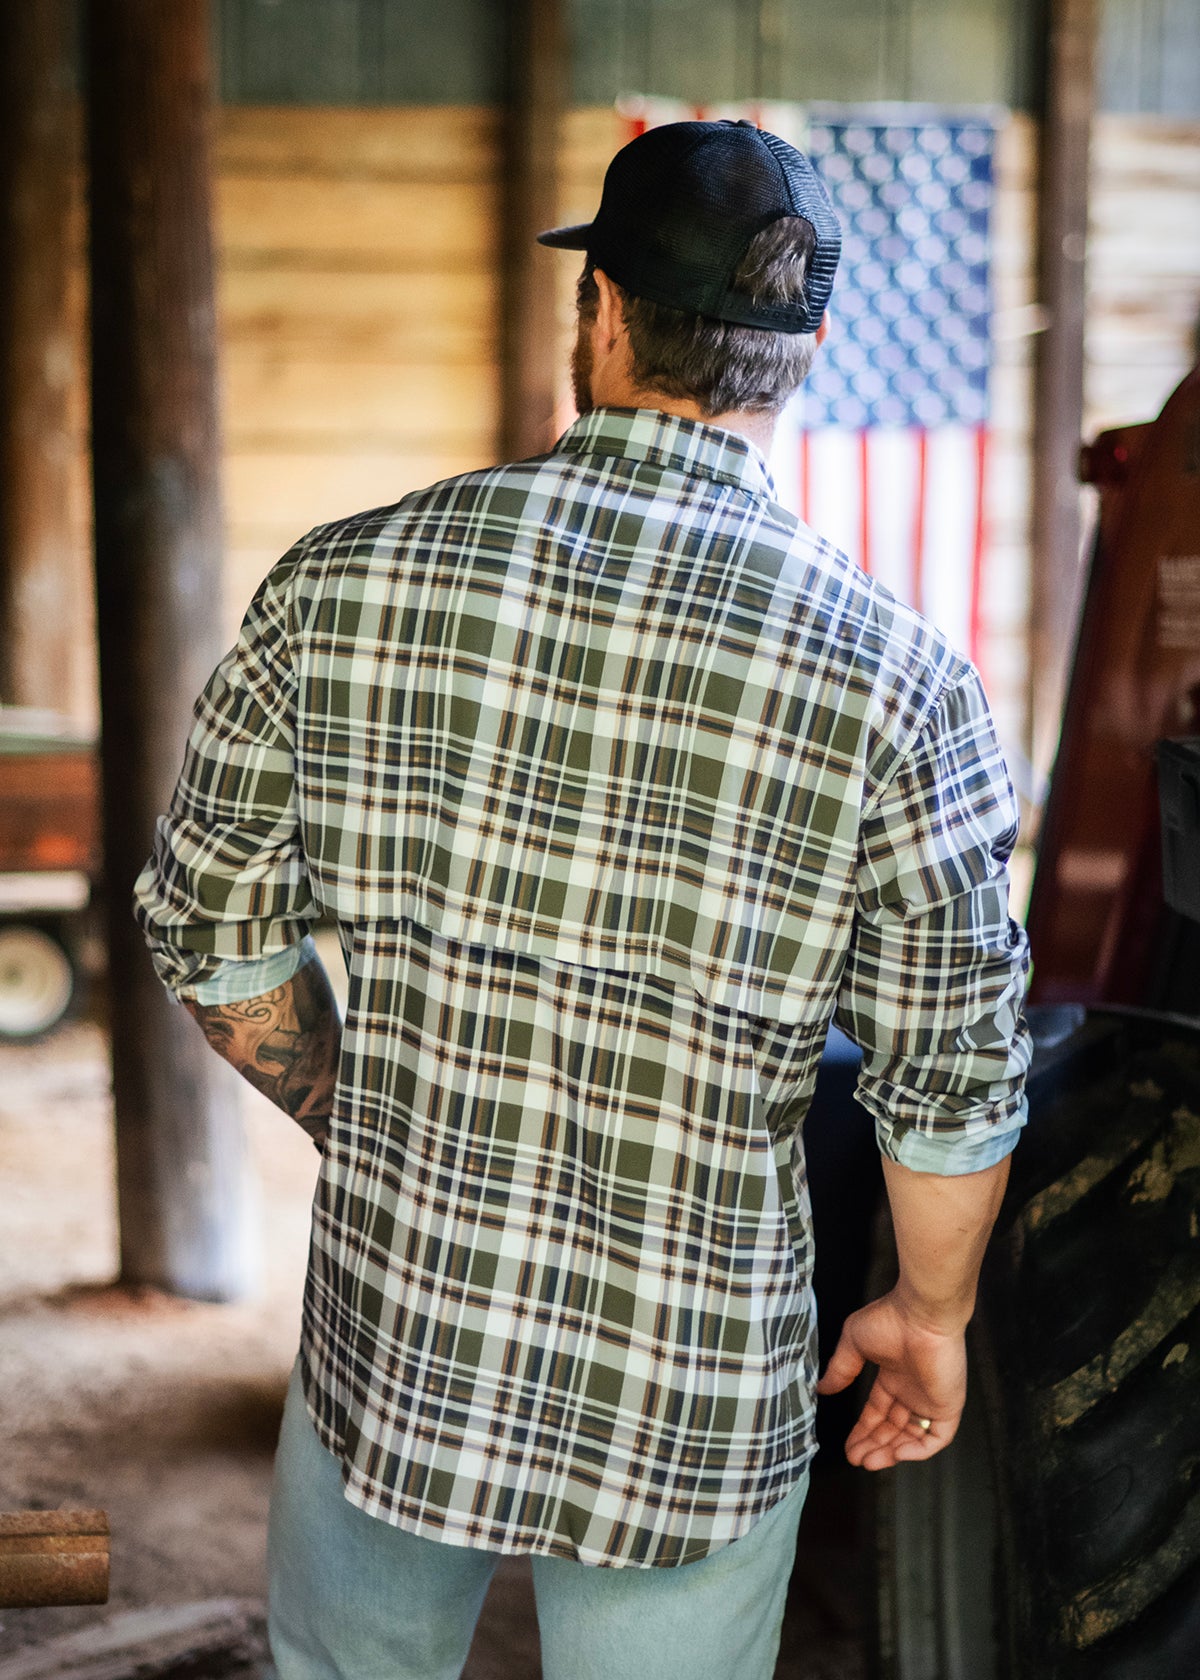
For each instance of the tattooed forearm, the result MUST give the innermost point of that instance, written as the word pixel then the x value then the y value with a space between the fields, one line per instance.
pixel 284 1043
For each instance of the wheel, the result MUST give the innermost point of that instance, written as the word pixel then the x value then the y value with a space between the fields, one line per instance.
pixel 37 982
pixel 1058 1538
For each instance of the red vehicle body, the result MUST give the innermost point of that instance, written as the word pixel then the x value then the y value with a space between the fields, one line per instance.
pixel 49 863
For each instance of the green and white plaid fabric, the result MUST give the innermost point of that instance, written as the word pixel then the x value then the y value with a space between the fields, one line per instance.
pixel 619 783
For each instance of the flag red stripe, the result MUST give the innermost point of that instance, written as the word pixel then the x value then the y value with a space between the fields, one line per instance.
pixel 977 554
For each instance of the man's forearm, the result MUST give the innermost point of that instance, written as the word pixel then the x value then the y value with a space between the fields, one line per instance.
pixel 286 1043
pixel 942 1225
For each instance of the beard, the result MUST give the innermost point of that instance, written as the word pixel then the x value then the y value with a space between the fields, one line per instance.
pixel 581 355
pixel 581 369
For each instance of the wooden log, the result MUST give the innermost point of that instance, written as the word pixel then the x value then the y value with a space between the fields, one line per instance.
pixel 53 1557
pixel 40 623
pixel 181 1177
pixel 529 355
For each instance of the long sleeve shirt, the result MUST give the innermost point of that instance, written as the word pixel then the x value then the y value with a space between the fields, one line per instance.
pixel 619 784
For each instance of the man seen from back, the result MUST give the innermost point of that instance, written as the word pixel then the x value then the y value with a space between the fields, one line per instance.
pixel 620 784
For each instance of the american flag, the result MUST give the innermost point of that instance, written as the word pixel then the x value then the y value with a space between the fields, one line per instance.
pixel 884 450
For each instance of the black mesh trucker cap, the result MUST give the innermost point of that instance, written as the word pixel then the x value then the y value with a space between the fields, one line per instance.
pixel 682 202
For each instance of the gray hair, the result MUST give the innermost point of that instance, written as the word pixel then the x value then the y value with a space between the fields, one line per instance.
pixel 720 366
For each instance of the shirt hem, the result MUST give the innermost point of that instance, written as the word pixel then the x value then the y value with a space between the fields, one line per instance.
pixel 536 1544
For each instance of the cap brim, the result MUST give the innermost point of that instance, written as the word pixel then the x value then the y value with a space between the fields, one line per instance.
pixel 567 238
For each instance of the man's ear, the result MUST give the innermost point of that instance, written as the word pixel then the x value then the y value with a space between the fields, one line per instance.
pixel 609 318
pixel 823 328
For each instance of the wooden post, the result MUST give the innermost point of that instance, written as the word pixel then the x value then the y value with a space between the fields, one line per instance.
pixel 1069 97
pixel 529 343
pixel 40 620
pixel 181 1175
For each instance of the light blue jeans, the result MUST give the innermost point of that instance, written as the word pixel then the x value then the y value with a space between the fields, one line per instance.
pixel 355 1598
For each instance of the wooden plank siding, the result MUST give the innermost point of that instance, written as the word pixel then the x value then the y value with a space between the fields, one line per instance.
pixel 359 334
pixel 1143 266
pixel 358 310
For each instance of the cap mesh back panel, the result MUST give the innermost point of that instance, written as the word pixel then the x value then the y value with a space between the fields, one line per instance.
pixel 681 204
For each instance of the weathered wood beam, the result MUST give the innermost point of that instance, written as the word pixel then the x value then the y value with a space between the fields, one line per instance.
pixel 529 348
pixel 1068 104
pixel 37 356
pixel 180 1157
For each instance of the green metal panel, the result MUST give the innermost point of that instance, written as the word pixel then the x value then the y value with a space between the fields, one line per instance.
pixel 675 49
pixel 958 54
pixel 1150 56
pixel 841 50
pixel 692 47
pixel 601 54
pixel 359 52
pixel 706 51
pixel 439 51
pixel 1179 93
pixel 701 51
pixel 1122 57
pixel 289 52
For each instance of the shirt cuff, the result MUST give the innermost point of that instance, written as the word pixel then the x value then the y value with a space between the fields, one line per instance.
pixel 239 978
pixel 950 1157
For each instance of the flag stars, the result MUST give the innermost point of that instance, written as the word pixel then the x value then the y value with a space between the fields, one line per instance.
pixel 913 301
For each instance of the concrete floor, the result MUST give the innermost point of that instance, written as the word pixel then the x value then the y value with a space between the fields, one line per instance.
pixel 164 1412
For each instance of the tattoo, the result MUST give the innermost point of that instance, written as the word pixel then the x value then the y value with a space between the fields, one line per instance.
pixel 284 1043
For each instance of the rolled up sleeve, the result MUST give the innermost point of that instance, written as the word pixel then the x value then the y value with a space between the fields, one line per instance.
pixel 227 880
pixel 935 981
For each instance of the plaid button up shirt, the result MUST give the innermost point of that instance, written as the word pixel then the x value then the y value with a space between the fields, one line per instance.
pixel 619 783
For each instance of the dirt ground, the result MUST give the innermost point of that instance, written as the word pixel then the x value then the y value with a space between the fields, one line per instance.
pixel 164 1412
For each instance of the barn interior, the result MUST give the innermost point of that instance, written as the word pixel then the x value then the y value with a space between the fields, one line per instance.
pixel 266 262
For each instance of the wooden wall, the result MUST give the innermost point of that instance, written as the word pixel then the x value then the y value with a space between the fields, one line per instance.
pixel 358 305
pixel 1143 266
pixel 357 301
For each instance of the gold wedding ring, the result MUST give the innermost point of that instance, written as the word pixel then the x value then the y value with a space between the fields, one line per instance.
pixel 924 1423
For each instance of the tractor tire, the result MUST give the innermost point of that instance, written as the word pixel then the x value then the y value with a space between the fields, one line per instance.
pixel 1058 1537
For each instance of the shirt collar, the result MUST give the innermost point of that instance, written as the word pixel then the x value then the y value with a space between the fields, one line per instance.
pixel 668 441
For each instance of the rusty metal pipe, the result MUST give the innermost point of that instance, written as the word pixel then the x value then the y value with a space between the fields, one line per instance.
pixel 53 1557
